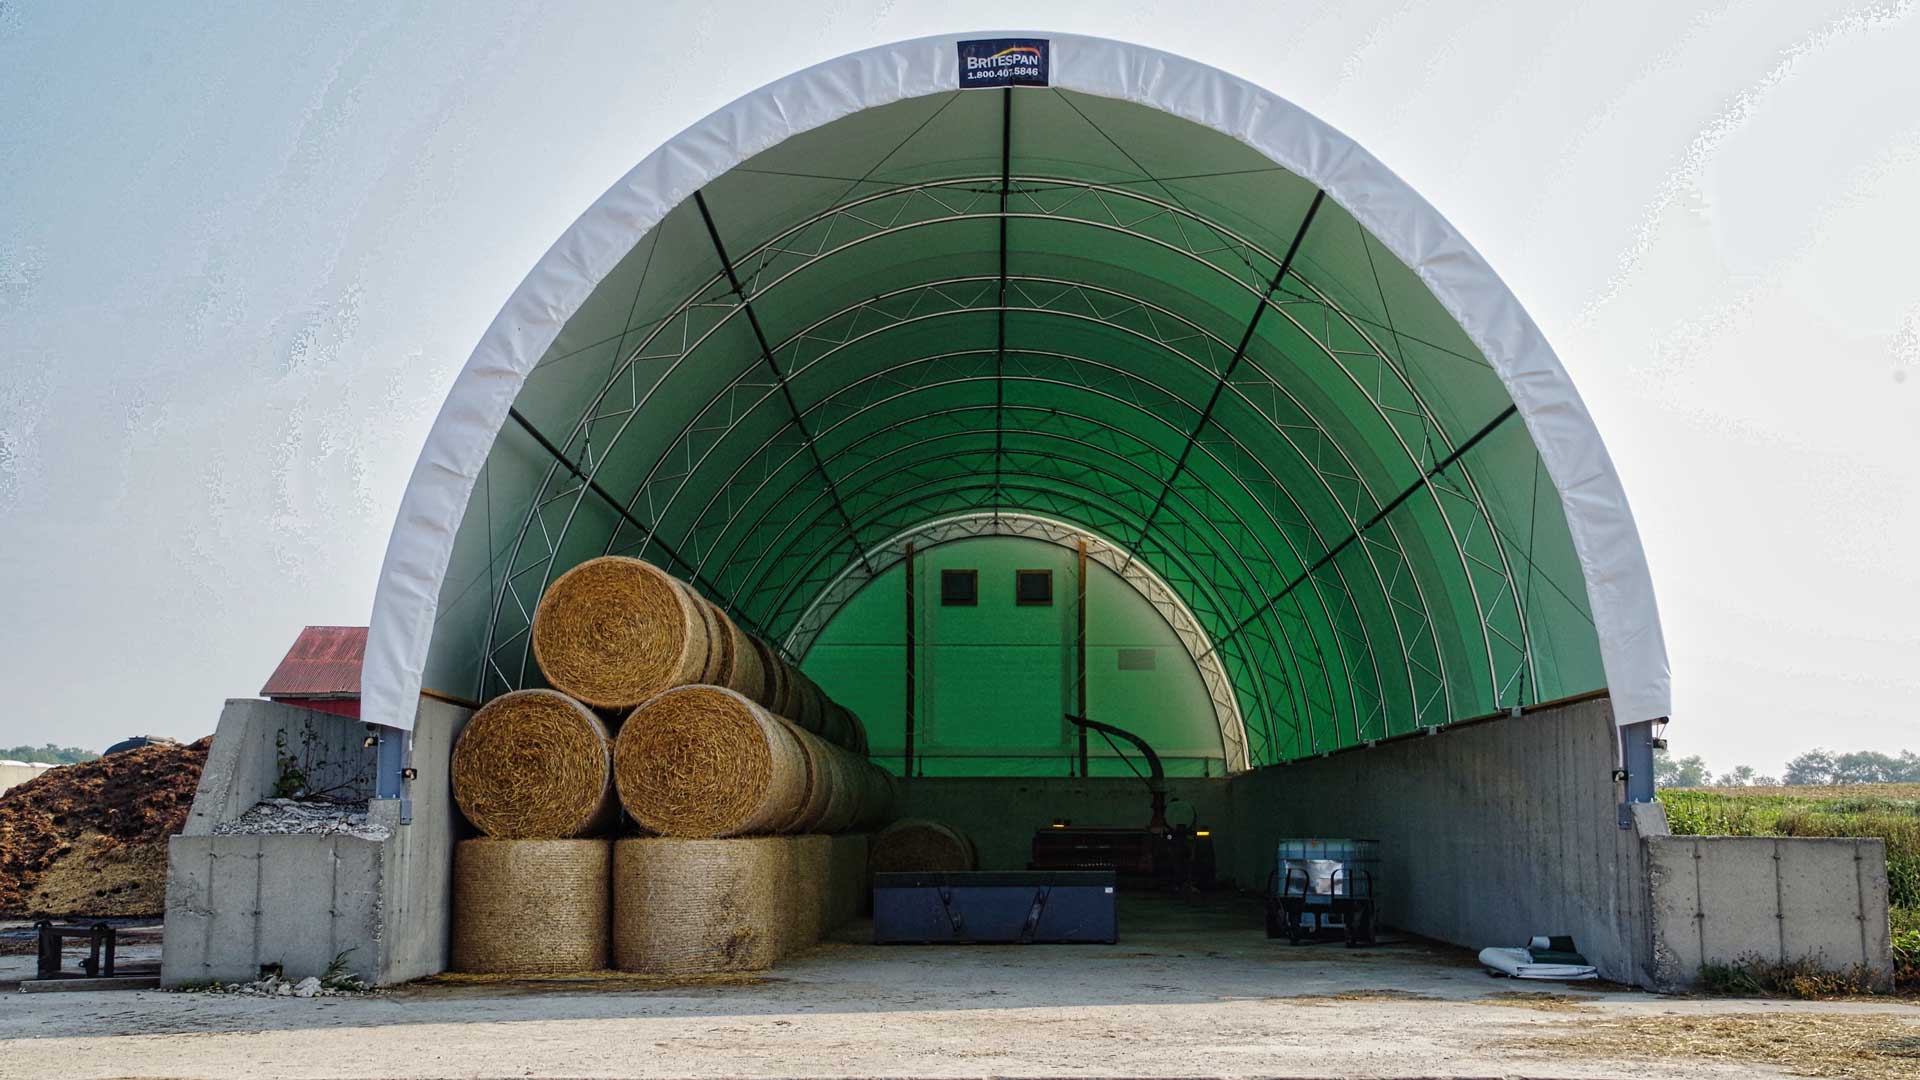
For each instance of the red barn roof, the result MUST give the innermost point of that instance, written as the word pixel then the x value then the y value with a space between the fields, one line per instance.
pixel 324 662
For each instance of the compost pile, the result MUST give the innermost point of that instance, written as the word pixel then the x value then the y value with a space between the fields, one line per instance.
pixel 682 801
pixel 90 839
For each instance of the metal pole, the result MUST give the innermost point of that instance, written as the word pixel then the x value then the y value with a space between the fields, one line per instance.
pixel 1637 744
pixel 1080 647
pixel 912 645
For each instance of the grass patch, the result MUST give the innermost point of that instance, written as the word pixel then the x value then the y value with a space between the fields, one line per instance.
pixel 1756 976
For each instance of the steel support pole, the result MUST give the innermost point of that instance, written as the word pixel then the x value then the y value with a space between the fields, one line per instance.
pixel 906 768
pixel 1637 744
pixel 1080 646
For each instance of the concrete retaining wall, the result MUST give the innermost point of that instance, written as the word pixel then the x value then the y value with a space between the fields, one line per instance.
pixel 418 870
pixel 15 775
pixel 237 902
pixel 1489 833
pixel 244 763
pixel 1725 899
pixel 1001 813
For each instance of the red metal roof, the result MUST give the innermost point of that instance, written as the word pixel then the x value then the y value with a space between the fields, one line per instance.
pixel 324 662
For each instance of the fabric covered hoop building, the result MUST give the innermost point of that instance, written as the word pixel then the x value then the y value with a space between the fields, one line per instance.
pixel 1147 301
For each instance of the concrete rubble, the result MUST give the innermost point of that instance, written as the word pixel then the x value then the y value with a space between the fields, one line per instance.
pixel 275 986
pixel 293 816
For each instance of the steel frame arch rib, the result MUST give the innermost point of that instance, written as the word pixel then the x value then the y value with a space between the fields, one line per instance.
pixel 1604 541
pixel 890 552
pixel 1087 508
pixel 659 509
pixel 1484 610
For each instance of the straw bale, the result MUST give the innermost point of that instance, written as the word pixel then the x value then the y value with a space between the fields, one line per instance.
pixel 809 704
pixel 848 891
pixel 822 779
pixel 775 681
pixel 920 844
pixel 747 671
pixel 704 761
pixel 615 631
pixel 811 884
pixel 528 907
pixel 535 763
pixel 695 907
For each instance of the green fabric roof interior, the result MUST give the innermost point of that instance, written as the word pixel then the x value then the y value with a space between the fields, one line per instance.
pixel 1067 306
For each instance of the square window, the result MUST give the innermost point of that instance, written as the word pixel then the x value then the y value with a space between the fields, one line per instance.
pixel 1033 588
pixel 959 588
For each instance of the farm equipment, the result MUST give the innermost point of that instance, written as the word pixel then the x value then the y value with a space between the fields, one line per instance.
pixel 1176 856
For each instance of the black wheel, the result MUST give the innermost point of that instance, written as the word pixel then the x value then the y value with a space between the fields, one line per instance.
pixel 1274 928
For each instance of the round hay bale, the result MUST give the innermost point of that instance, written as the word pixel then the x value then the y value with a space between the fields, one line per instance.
pixel 916 844
pixel 705 761
pixel 821 779
pixel 836 724
pixel 747 672
pixel 720 627
pixel 697 907
pixel 773 677
pixel 530 907
pixel 615 631
pixel 534 764
pixel 812 886
pixel 880 796
pixel 850 892
pixel 809 703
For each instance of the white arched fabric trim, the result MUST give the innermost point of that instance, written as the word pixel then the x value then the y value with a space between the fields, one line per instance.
pixel 1152 588
pixel 1619 588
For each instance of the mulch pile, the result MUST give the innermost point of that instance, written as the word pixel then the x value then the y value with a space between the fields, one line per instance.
pixel 90 839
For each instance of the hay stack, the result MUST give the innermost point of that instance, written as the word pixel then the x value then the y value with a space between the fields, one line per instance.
pixel 747 671
pixel 530 907
pixel 701 761
pixel 615 631
pixel 918 844
pixel 810 886
pixel 848 891
pixel 534 763
pixel 696 907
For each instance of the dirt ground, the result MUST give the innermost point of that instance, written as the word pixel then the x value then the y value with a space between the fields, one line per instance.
pixel 1187 993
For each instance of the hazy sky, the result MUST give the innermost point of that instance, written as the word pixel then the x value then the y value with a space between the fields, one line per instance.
pixel 245 247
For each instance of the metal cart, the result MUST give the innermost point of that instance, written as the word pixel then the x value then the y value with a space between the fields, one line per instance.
pixel 1323 890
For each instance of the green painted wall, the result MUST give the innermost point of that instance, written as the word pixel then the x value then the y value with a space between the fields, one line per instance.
pixel 994 679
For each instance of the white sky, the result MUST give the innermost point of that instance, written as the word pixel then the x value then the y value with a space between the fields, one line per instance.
pixel 245 248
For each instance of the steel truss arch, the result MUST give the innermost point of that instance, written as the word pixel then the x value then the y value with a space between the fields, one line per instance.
pixel 890 552
pixel 657 508
pixel 1099 228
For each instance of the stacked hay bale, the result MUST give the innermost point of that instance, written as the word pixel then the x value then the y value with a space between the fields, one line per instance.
pixel 614 631
pixel 533 770
pixel 918 844
pixel 750 787
pixel 707 763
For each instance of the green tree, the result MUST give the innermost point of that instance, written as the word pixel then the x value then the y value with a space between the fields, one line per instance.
pixel 1813 767
pixel 50 754
pixel 1690 771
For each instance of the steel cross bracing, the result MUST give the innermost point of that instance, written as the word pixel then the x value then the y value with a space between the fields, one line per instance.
pixel 1165 602
pixel 702 315
pixel 1042 423
pixel 1099 469
pixel 1314 457
pixel 1078 297
pixel 1450 515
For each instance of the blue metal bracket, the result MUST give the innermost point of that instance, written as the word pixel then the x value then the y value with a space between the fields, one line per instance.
pixel 1637 744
